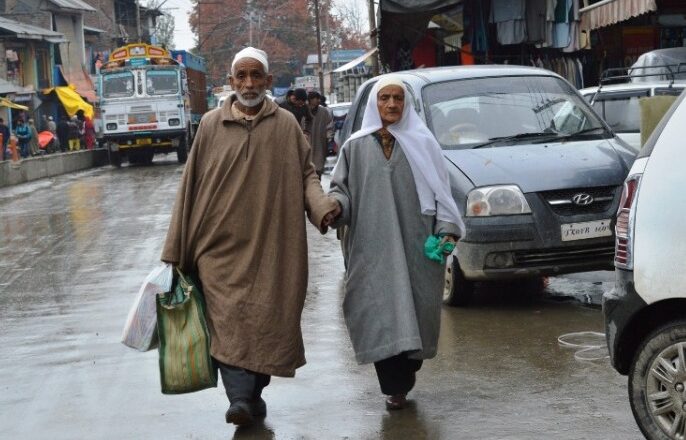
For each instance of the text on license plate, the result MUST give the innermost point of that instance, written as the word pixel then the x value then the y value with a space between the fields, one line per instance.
pixel 144 141
pixel 581 231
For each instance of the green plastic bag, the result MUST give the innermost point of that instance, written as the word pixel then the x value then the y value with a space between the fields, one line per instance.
pixel 185 362
pixel 435 251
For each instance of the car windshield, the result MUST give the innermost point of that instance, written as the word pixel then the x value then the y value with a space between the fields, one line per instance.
pixel 117 85
pixel 162 82
pixel 464 114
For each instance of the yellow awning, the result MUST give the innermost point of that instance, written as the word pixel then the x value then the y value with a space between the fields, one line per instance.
pixel 4 102
pixel 71 100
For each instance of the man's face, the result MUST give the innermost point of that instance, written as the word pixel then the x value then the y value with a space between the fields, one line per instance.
pixel 299 102
pixel 292 99
pixel 250 82
pixel 390 103
pixel 314 102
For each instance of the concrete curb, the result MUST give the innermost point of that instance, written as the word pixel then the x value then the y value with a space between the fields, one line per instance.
pixel 34 168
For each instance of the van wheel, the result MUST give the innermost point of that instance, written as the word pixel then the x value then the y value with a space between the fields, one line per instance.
pixel 657 383
pixel 457 290
pixel 115 157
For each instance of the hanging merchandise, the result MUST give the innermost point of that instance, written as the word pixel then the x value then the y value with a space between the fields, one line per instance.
pixel 509 17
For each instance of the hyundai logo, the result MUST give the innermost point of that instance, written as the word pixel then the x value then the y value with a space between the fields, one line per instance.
pixel 582 199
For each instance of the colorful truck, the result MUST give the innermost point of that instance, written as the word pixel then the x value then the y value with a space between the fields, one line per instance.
pixel 150 101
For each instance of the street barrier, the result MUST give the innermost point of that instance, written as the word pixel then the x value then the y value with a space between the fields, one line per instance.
pixel 15 171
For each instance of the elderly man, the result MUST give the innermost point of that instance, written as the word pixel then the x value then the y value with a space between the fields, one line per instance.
pixel 238 222
pixel 321 131
pixel 393 165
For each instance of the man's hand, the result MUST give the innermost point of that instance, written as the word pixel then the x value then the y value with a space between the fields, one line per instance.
pixel 331 216
pixel 449 239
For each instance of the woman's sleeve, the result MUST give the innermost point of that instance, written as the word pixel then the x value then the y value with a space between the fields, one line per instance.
pixel 339 186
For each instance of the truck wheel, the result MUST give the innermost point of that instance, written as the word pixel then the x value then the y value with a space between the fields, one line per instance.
pixel 182 149
pixel 457 290
pixel 115 157
pixel 657 383
pixel 147 157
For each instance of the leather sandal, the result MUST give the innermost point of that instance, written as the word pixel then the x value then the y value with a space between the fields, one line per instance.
pixel 396 401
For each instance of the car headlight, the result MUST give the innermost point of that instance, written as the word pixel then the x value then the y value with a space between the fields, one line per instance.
pixel 496 200
pixel 174 122
pixel 111 126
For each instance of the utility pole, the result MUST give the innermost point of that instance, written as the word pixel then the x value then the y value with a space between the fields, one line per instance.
pixel 319 48
pixel 373 32
pixel 138 21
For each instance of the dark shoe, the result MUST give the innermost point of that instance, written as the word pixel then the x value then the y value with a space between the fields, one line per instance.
pixel 396 401
pixel 240 413
pixel 259 408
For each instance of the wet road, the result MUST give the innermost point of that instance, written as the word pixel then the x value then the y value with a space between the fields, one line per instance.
pixel 74 249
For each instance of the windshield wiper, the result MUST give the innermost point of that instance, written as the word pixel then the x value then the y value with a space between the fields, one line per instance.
pixel 519 136
pixel 581 132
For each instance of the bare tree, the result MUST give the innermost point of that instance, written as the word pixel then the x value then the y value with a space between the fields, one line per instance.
pixel 352 14
pixel 164 26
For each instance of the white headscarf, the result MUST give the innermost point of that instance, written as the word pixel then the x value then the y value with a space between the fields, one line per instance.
pixel 422 151
pixel 254 53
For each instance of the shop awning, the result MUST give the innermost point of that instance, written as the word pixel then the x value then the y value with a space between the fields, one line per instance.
pixel 413 6
pixel 71 100
pixel 356 61
pixel 4 102
pixel 81 81
pixel 609 12
pixel 27 32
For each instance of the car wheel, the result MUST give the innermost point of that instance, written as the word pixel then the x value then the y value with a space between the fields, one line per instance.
pixel 657 383
pixel 457 290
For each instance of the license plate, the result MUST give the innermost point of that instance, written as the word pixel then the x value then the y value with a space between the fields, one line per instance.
pixel 585 230
pixel 144 141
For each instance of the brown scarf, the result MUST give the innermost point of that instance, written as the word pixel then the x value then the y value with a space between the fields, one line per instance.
pixel 387 142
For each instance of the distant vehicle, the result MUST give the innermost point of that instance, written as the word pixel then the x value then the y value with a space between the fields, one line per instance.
pixel 535 173
pixel 618 104
pixel 151 101
pixel 339 112
pixel 645 313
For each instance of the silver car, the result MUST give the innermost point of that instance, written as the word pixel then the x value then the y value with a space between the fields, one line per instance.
pixel 535 172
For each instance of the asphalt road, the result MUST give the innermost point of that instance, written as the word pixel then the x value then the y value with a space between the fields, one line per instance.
pixel 74 250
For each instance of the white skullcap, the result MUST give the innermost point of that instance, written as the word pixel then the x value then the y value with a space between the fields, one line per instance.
pixel 251 52
pixel 389 80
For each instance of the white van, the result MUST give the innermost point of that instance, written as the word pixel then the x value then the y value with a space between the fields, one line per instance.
pixel 645 313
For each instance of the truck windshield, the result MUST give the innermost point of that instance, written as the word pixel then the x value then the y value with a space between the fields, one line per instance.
pixel 162 82
pixel 117 85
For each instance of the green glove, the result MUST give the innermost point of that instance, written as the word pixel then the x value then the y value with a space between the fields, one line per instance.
pixel 435 251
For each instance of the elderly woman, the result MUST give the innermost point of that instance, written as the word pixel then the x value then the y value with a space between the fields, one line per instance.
pixel 392 184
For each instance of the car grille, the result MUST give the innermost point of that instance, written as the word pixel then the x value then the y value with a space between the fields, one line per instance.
pixel 563 256
pixel 560 201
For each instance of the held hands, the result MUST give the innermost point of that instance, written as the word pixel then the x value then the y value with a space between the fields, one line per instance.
pixel 331 216
pixel 449 239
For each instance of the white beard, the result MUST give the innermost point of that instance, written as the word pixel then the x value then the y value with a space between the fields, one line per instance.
pixel 252 102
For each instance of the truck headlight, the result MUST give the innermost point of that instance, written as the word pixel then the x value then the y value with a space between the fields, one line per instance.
pixel 496 200
pixel 111 126
pixel 174 122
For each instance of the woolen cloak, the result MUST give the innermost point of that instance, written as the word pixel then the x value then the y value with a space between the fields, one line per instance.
pixel 239 222
pixel 321 132
pixel 392 290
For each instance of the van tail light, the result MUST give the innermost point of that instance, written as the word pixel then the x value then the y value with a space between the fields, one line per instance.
pixel 624 228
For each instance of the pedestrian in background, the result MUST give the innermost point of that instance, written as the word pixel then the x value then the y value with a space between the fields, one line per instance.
pixel 5 132
pixel 63 133
pixel 238 223
pixel 34 148
pixel 23 133
pixel 297 106
pixel 392 184
pixel 88 130
pixel 74 134
pixel 321 131
pixel 285 98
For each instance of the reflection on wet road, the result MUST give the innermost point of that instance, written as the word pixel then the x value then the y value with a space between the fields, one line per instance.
pixel 74 249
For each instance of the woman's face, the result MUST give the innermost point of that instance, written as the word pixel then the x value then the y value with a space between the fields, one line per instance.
pixel 390 103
